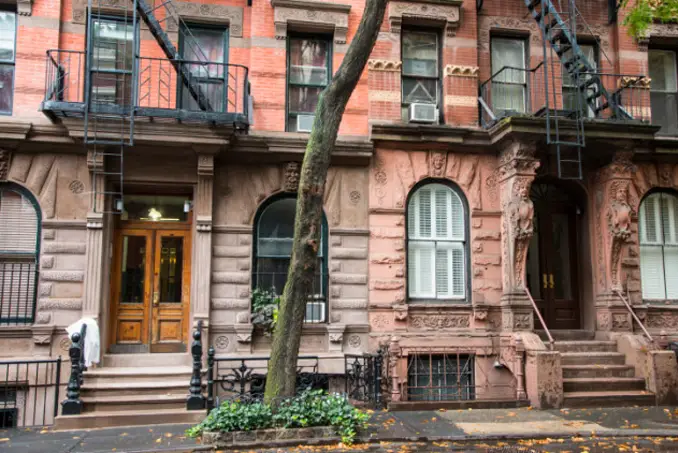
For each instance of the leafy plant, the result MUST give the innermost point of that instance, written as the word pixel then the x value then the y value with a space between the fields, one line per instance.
pixel 310 408
pixel 645 12
pixel 265 304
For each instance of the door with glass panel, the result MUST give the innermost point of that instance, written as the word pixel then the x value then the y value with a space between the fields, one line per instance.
pixel 551 269
pixel 150 305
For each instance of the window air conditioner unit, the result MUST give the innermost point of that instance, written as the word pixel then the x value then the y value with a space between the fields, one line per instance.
pixel 305 123
pixel 315 312
pixel 423 113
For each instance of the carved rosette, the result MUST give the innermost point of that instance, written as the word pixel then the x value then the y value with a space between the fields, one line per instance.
pixel 4 164
pixel 403 11
pixel 451 321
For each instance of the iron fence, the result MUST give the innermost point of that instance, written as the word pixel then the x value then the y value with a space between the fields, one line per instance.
pixel 17 291
pixel 366 378
pixel 29 392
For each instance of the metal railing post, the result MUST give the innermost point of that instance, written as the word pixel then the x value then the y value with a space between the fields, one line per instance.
pixel 72 405
pixel 210 378
pixel 196 400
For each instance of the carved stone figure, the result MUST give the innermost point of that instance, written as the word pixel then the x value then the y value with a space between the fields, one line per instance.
pixel 619 228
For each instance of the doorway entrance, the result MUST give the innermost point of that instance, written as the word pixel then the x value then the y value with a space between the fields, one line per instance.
pixel 150 286
pixel 552 257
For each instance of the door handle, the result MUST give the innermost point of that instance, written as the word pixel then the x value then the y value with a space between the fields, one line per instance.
pixel 544 279
pixel 551 281
pixel 156 298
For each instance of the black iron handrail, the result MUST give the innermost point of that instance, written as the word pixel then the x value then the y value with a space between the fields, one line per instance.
pixel 196 400
pixel 72 405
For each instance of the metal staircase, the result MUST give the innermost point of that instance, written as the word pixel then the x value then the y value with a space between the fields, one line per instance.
pixel 558 23
pixel 111 86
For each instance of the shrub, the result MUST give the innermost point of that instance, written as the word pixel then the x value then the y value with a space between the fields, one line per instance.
pixel 310 408
pixel 265 305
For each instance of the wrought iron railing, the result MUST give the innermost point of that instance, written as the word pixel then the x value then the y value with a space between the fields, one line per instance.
pixel 160 91
pixel 72 405
pixel 18 282
pixel 515 91
pixel 366 378
pixel 244 379
pixel 29 392
pixel 196 400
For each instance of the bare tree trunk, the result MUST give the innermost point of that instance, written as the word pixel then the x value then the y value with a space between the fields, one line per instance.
pixel 282 369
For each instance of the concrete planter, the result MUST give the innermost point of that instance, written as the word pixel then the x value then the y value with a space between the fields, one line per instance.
pixel 276 435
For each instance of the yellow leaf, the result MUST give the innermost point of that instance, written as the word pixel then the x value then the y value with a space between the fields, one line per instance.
pixel 158 440
pixel 168 434
pixel 511 414
pixel 4 439
pixel 442 410
pixel 44 431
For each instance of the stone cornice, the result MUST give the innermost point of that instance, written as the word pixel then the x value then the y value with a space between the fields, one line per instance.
pixel 307 4
pixel 444 13
pixel 310 15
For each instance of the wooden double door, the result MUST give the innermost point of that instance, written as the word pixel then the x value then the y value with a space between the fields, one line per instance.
pixel 552 258
pixel 150 289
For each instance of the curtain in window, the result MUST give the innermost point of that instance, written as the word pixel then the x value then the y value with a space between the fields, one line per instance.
pixel 508 86
pixel 658 231
pixel 436 224
pixel 18 257
pixel 420 67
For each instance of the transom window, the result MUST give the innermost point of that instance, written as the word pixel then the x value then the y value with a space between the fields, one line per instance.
pixel 274 237
pixel 509 81
pixel 421 69
pixel 112 61
pixel 208 44
pixel 436 254
pixel 658 231
pixel 308 73
pixel 7 60
pixel 19 245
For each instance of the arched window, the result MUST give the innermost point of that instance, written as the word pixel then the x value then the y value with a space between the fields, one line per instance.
pixel 274 233
pixel 19 248
pixel 658 231
pixel 437 245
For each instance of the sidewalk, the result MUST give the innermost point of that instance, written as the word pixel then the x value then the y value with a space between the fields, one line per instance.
pixel 429 431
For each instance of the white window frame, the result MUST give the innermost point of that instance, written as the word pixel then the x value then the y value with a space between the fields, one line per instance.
pixel 506 78
pixel 450 240
pixel 660 242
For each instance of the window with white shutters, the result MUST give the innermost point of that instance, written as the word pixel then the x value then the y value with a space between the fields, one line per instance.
pixel 436 254
pixel 658 232
pixel 19 233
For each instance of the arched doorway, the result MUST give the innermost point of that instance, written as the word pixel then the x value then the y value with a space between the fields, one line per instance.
pixel 552 258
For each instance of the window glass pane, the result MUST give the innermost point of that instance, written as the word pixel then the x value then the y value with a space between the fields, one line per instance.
pixel 420 90
pixel 113 45
pixel 652 272
pixel 6 87
pixel 649 220
pixel 212 91
pixel 277 220
pixel 205 45
pixel 308 61
pixel 662 68
pixel 112 87
pixel 508 97
pixel 671 271
pixel 171 266
pixel 154 208
pixel 7 35
pixel 303 99
pixel 590 54
pixel 508 53
pixel 420 54
pixel 133 267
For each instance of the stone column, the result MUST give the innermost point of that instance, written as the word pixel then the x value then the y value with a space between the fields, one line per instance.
pixel 517 169
pixel 613 230
pixel 202 248
pixel 94 276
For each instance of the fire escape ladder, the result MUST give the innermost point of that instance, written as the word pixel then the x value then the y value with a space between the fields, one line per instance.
pixel 185 71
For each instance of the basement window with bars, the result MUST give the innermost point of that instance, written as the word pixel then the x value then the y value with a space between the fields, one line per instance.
pixel 658 230
pixel 437 245
pixel 19 245
pixel 274 235
pixel 440 377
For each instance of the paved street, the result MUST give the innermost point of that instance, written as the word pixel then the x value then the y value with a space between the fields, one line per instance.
pixel 492 430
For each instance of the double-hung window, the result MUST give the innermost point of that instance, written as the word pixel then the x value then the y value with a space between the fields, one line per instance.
pixel 570 90
pixel 436 253
pixel 658 229
pixel 308 73
pixel 7 60
pixel 112 56
pixel 211 45
pixel 421 67
pixel 509 76
pixel 664 90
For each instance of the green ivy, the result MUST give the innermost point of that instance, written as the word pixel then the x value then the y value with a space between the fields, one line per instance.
pixel 265 305
pixel 311 408
pixel 646 12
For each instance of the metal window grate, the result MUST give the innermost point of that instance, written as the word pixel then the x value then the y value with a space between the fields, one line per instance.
pixel 440 377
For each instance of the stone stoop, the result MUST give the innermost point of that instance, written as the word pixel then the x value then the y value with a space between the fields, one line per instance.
pixel 129 396
pixel 595 374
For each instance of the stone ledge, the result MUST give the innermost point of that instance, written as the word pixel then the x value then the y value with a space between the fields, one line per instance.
pixel 261 437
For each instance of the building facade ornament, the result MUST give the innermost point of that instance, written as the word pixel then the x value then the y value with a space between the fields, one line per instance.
pixel 5 157
pixel 445 14
pixel 291 176
pixel 301 15
pixel 426 321
pixel 384 65
pixel 24 7
pixel 452 70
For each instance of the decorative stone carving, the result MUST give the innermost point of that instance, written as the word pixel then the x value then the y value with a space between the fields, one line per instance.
pixel 400 311
pixel 619 228
pixel 453 70
pixel 24 7
pixel 222 342
pixel 203 224
pixel 244 336
pixel 480 313
pixel 443 14
pixel 621 321
pixel 60 304
pixel 76 186
pixel 43 318
pixel 354 197
pixel 306 14
pixel 65 344
pixel 4 164
pixel 195 11
pixel 291 176
pixel 439 321
pixel 384 65
pixel 604 320
pixel 437 163
pixel 354 341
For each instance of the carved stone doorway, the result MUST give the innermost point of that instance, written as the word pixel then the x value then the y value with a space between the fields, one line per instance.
pixel 553 256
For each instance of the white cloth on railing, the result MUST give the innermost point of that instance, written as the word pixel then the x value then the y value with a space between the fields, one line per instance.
pixel 92 343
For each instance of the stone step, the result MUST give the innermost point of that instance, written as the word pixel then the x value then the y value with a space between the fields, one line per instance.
pixel 597 384
pixel 609 398
pixel 129 403
pixel 592 358
pixel 159 387
pixel 586 346
pixel 101 419
pixel 136 374
pixel 567 335
pixel 597 371
pixel 148 360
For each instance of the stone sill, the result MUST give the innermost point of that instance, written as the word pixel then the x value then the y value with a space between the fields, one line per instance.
pixel 264 437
